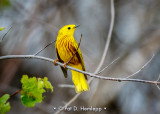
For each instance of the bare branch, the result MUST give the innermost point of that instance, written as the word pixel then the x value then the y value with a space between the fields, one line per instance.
pixel 68 103
pixel 45 47
pixel 141 67
pixel 157 81
pixel 158 87
pixel 6 33
pixel 108 66
pixel 71 68
pixel 66 86
pixel 18 91
pixel 108 37
pixel 158 78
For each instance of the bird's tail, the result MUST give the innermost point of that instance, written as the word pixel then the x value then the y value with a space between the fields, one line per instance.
pixel 79 80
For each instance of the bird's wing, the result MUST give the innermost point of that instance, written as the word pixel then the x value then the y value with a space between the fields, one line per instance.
pixel 80 58
pixel 64 70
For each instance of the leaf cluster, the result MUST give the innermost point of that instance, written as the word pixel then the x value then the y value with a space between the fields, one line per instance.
pixel 33 89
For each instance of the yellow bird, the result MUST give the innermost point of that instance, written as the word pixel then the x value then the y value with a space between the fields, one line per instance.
pixel 66 47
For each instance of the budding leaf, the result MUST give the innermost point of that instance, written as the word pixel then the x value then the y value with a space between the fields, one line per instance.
pixel 47 84
pixel 4 105
pixel 1 28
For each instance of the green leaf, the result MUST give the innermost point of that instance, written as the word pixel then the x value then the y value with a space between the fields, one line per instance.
pixel 47 84
pixel 33 89
pixel 4 105
pixel 1 28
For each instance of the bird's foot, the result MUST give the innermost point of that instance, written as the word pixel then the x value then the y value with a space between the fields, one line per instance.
pixel 54 62
pixel 65 64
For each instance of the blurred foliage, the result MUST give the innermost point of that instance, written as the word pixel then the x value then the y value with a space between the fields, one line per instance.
pixel 32 90
pixel 4 3
pixel 1 28
pixel 4 105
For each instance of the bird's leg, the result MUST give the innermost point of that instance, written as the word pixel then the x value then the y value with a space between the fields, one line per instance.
pixel 54 62
pixel 57 60
pixel 65 63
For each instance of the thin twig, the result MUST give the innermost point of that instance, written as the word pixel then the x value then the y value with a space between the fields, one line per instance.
pixel 66 86
pixel 107 66
pixel 107 42
pixel 158 87
pixel 18 91
pixel 68 103
pixel 158 78
pixel 75 51
pixel 108 37
pixel 45 47
pixel 6 34
pixel 157 81
pixel 141 67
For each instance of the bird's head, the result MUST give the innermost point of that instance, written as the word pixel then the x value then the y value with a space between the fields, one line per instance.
pixel 67 30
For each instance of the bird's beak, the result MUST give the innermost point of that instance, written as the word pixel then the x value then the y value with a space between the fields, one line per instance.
pixel 76 26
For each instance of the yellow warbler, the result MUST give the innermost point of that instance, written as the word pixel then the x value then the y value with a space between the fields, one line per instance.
pixel 66 47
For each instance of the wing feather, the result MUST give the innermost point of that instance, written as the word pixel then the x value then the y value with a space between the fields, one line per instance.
pixel 64 70
pixel 80 58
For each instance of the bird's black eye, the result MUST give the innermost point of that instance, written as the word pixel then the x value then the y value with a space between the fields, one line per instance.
pixel 69 28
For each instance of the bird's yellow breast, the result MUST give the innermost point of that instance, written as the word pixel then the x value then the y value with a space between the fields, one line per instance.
pixel 66 49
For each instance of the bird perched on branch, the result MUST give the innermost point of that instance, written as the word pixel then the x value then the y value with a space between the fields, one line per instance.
pixel 68 51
